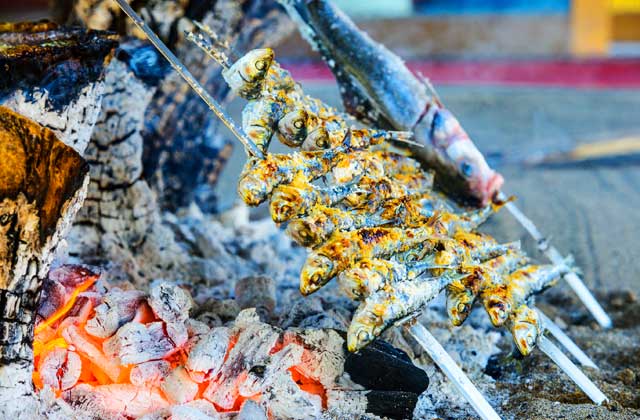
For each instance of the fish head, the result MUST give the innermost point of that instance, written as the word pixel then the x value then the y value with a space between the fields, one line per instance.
pixel 286 202
pixel 252 189
pixel 292 128
pixel 461 165
pixel 318 269
pixel 310 231
pixel 525 327
pixel 459 302
pixel 317 139
pixel 247 75
pixel 364 328
pixel 497 306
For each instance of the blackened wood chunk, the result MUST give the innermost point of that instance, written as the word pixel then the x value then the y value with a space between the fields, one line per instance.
pixel 382 367
pixel 44 56
pixel 42 186
pixel 52 75
pixel 392 404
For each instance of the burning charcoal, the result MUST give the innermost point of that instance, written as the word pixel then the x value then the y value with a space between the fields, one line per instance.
pixel 394 370
pixel 251 411
pixel 85 347
pixel 60 369
pixel 207 355
pixel 170 302
pixel 324 359
pixel 118 308
pixel 178 386
pixel 137 343
pixel 117 399
pixel 184 412
pixel 257 292
pixel 388 404
pixel 259 377
pixel 177 333
pixel 58 285
pixel 253 346
pixel 286 400
pixel 149 374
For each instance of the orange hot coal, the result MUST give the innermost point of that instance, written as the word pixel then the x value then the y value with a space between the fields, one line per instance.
pixel 135 354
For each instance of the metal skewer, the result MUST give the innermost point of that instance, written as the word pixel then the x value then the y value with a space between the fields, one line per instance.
pixel 555 257
pixel 576 375
pixel 249 146
pixel 441 358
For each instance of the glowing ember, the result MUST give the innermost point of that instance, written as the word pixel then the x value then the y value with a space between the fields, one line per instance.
pixel 127 353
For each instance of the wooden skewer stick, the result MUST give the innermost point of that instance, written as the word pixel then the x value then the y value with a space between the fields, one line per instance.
pixel 576 375
pixel 566 341
pixel 555 257
pixel 449 367
pixel 213 105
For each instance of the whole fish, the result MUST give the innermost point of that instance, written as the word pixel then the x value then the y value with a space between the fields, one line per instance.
pixel 375 82
pixel 384 308
pixel 339 253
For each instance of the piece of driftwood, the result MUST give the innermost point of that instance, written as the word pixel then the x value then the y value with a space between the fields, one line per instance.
pixel 185 146
pixel 42 186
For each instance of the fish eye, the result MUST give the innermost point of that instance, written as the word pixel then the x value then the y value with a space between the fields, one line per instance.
pixel 363 335
pixel 298 124
pixel 260 65
pixel 322 142
pixel 466 169
pixel 462 307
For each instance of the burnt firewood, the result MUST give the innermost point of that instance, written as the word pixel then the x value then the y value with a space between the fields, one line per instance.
pixel 53 75
pixel 387 404
pixel 186 147
pixel 382 367
pixel 42 186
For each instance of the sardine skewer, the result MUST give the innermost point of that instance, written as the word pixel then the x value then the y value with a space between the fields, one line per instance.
pixel 180 68
pixel 379 71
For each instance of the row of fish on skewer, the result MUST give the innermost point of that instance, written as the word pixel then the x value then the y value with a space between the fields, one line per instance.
pixel 369 214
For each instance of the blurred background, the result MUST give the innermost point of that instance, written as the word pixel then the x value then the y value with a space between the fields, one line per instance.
pixel 549 90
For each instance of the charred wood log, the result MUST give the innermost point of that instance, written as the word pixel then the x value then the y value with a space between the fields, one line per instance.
pixel 393 371
pixel 53 76
pixel 42 186
pixel 185 147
